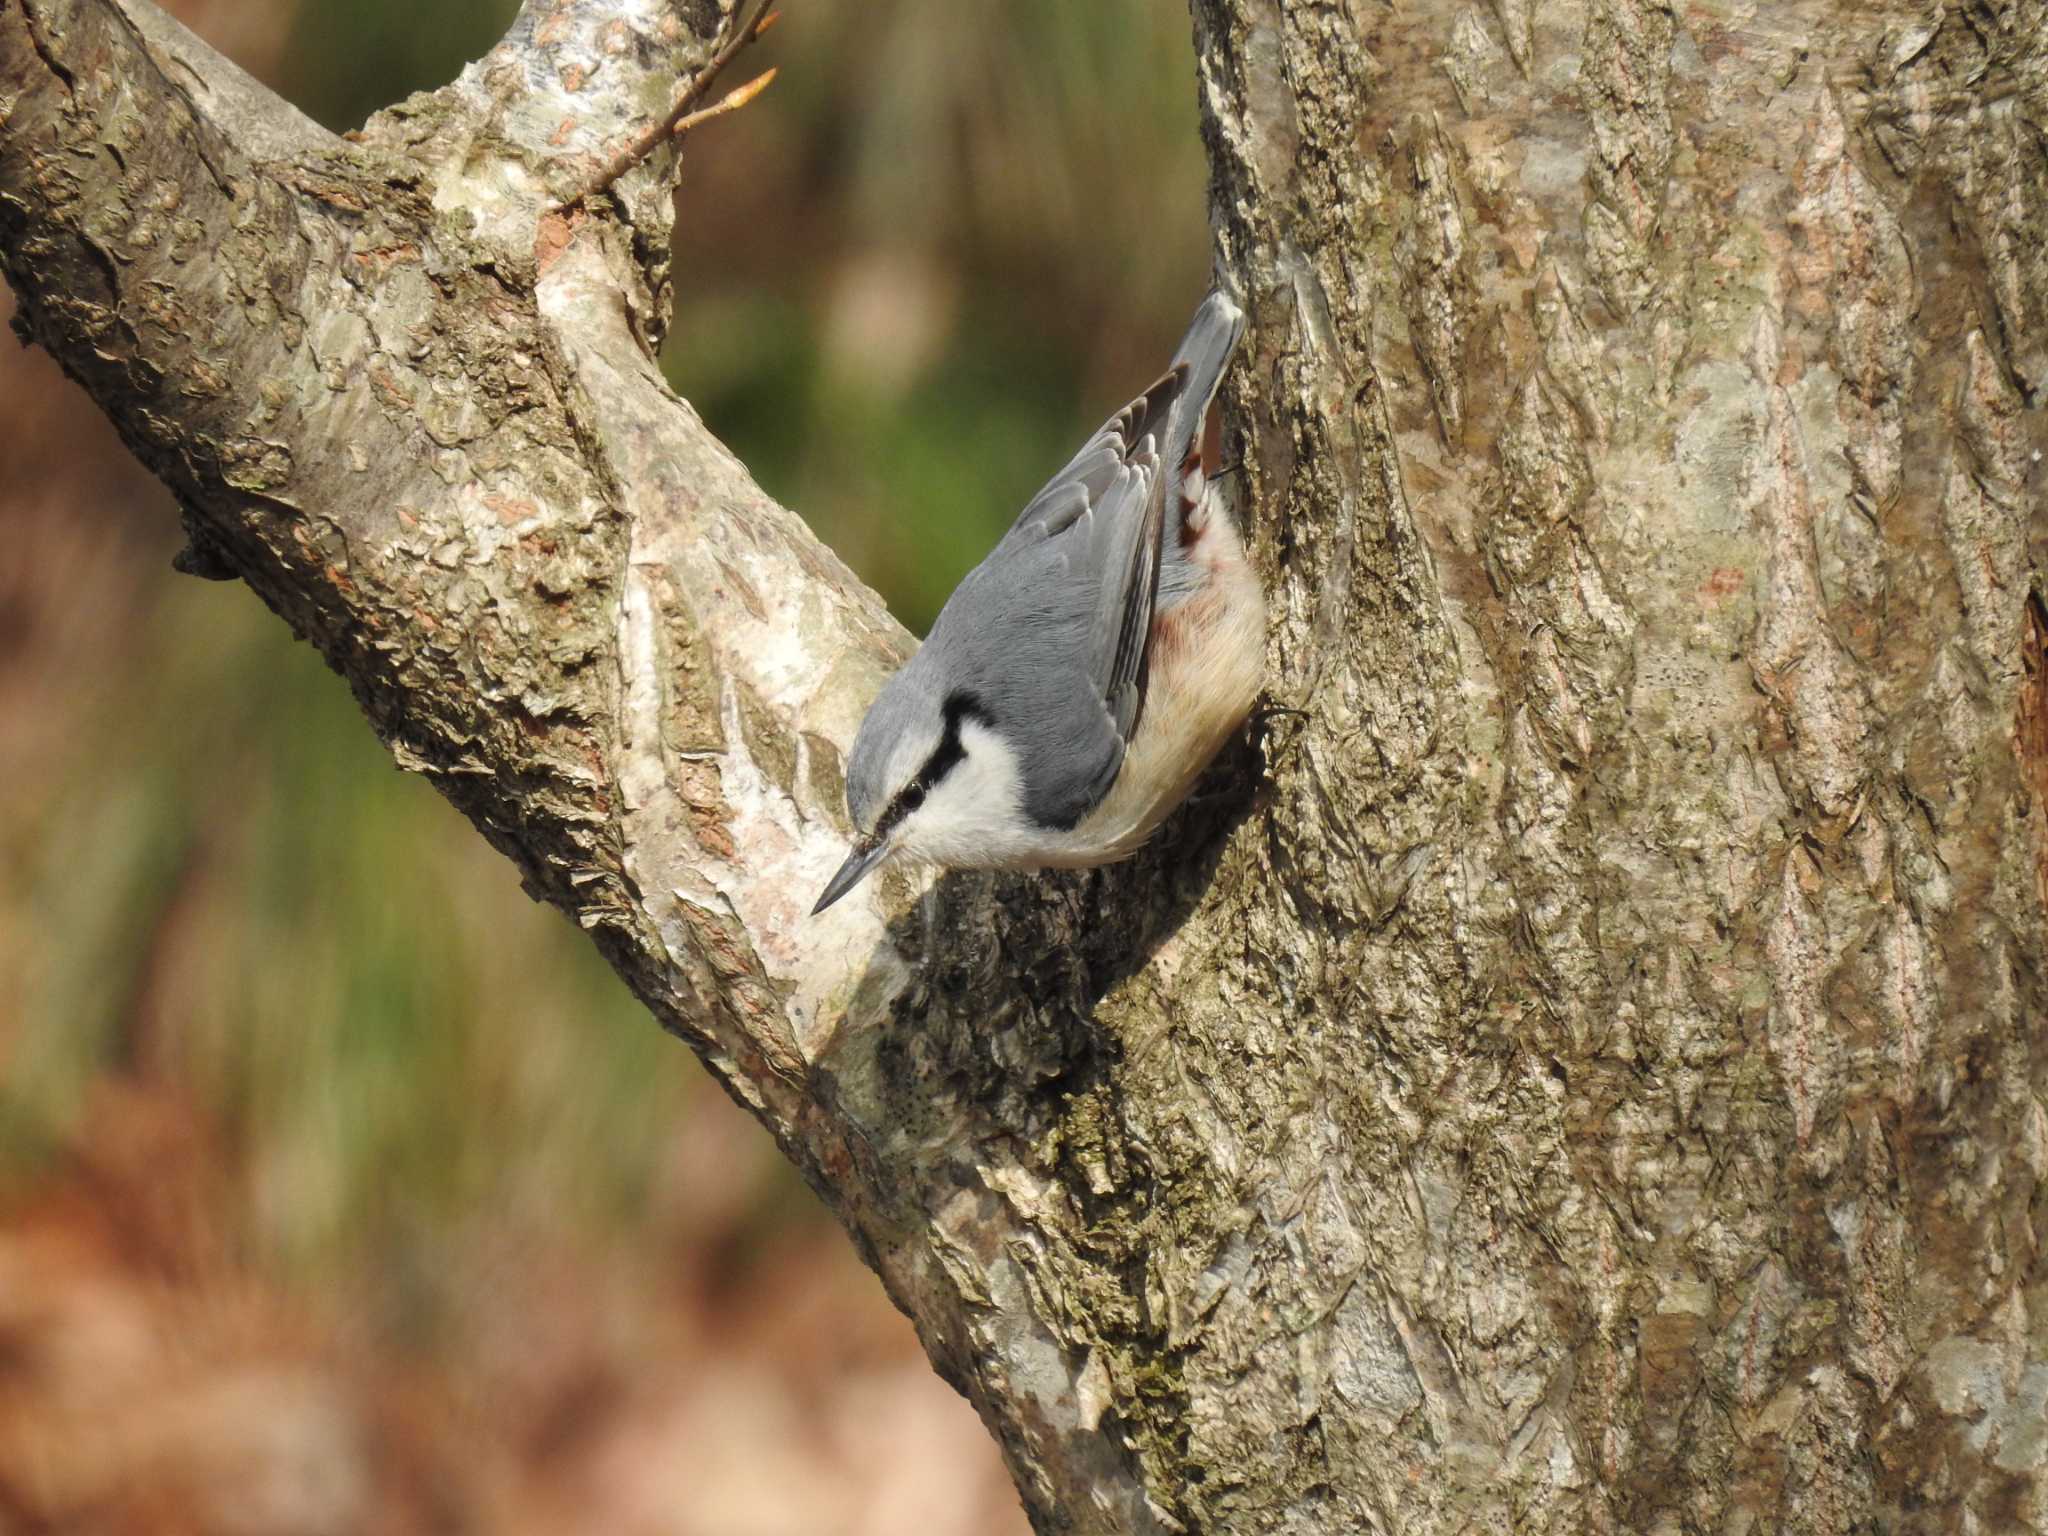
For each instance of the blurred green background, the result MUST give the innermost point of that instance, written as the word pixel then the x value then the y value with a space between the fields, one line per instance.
pixel 341 1187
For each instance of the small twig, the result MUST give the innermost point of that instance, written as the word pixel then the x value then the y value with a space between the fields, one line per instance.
pixel 732 101
pixel 756 20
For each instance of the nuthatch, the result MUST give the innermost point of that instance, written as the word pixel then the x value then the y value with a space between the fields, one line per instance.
pixel 1085 672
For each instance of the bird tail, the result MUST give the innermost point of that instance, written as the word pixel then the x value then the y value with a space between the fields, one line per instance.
pixel 1205 351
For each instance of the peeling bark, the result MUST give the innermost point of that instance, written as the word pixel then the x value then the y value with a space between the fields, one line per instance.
pixel 1583 1073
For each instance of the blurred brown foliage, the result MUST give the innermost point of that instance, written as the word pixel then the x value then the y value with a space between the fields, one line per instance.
pixel 341 1188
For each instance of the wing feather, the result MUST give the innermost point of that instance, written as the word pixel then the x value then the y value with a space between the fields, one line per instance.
pixel 1109 503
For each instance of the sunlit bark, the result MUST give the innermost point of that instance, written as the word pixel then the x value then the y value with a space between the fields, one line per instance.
pixel 1582 1072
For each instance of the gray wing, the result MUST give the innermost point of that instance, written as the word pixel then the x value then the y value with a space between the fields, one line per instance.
pixel 1105 515
pixel 1055 623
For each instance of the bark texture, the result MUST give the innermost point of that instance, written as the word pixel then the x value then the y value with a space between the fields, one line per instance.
pixel 1586 1071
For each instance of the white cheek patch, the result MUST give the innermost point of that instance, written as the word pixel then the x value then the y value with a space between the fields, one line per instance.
pixel 974 817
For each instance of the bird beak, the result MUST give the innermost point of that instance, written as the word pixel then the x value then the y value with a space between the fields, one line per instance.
pixel 865 856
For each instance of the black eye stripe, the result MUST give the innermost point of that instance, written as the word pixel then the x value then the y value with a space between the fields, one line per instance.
pixel 959 707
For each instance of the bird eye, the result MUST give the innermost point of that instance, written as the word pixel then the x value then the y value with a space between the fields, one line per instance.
pixel 960 706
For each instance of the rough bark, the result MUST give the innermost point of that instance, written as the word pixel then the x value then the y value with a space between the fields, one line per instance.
pixel 1585 1072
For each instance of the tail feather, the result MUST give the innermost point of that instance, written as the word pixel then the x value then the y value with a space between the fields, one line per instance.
pixel 1205 352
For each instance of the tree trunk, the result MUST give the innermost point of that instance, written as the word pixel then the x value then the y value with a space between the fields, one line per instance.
pixel 1582 1072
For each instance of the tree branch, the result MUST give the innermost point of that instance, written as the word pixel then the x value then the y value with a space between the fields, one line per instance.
pixel 413 404
pixel 751 23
